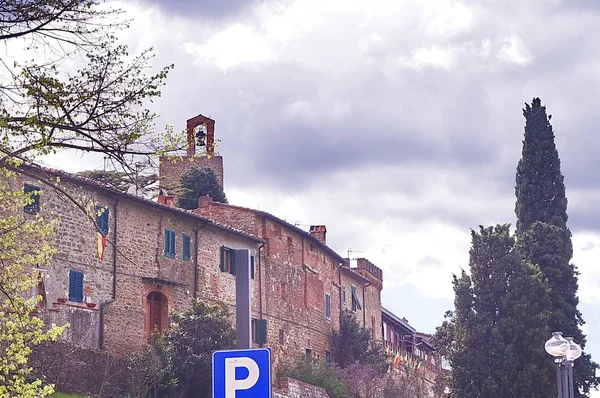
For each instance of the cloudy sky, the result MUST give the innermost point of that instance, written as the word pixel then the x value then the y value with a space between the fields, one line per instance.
pixel 397 123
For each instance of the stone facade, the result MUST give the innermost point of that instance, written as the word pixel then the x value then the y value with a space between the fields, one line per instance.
pixel 292 388
pixel 134 267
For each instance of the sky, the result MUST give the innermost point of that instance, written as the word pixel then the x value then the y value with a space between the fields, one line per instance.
pixel 397 124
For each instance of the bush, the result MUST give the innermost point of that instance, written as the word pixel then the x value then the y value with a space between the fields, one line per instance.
pixel 316 373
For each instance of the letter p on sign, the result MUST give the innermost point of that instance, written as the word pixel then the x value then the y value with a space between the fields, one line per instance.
pixel 242 373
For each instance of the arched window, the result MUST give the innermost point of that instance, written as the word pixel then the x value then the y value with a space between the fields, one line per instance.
pixel 157 312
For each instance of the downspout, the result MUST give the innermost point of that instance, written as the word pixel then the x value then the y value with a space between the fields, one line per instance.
pixel 104 304
pixel 196 260
pixel 114 286
pixel 364 305
pixel 340 289
pixel 260 299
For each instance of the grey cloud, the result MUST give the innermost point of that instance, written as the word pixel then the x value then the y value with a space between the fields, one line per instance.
pixel 203 8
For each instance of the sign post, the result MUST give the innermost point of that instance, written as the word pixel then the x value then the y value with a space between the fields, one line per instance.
pixel 243 333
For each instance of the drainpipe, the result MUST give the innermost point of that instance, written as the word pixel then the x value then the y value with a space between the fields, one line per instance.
pixel 364 305
pixel 260 310
pixel 114 285
pixel 196 260
pixel 340 289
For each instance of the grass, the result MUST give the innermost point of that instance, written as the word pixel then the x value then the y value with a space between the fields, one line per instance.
pixel 65 395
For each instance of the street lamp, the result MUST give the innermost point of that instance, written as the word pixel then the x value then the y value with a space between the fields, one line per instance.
pixel 564 351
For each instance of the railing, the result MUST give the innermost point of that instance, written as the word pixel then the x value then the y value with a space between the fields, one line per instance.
pixel 398 356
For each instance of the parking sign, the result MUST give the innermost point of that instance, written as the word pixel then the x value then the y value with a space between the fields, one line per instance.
pixel 242 373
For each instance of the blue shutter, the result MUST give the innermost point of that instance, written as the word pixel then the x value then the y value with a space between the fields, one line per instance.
pixel 34 195
pixel 251 267
pixel 327 306
pixel 72 282
pixel 169 243
pixel 76 286
pixel 186 247
pixel 232 264
pixel 223 259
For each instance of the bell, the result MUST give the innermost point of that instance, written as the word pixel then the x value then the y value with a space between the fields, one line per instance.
pixel 201 137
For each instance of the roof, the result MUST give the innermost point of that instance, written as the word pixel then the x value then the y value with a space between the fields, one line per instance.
pixel 394 318
pixel 358 276
pixel 291 227
pixel 102 187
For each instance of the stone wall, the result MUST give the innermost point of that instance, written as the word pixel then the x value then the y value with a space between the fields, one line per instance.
pixel 292 388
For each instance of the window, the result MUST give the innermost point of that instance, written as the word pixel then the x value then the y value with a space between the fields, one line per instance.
pixel 251 267
pixel 344 295
pixel 308 355
pixel 76 286
pixel 355 302
pixel 227 260
pixel 102 219
pixel 328 357
pixel 281 337
pixel 187 250
pixel 33 205
pixel 169 243
pixel 327 306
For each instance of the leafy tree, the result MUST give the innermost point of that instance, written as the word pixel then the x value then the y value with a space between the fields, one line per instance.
pixel 122 181
pixel 542 234
pixel 354 343
pixel 195 333
pixel 25 242
pixel 199 182
pixel 492 338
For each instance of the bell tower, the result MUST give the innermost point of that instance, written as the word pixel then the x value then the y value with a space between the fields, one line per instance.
pixel 200 134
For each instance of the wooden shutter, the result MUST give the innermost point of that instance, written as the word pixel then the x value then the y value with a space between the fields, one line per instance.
pixel 251 267
pixel 76 286
pixel 186 247
pixel 102 219
pixel 232 264
pixel 260 336
pixel 327 306
pixel 223 265
pixel 72 281
pixel 34 195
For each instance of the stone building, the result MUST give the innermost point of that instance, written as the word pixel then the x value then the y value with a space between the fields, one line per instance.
pixel 116 282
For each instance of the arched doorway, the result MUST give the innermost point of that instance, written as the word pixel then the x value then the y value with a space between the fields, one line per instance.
pixel 157 312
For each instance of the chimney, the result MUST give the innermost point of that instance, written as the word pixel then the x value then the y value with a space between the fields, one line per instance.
pixel 166 199
pixel 319 231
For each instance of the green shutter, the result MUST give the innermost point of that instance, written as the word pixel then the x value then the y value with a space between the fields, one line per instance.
pixel 260 331
pixel 223 258
pixel 232 266
pixel 251 267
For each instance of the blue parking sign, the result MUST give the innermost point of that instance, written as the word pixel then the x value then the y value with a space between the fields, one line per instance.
pixel 242 373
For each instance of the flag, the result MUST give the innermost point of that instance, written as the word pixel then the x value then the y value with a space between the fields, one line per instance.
pixel 101 245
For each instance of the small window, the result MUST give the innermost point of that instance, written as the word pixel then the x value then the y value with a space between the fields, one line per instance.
pixel 259 331
pixel 102 219
pixel 344 295
pixel 355 302
pixel 327 306
pixel 169 243
pixel 76 286
pixel 251 267
pixel 187 243
pixel 281 337
pixel 308 355
pixel 227 260
pixel 328 357
pixel 33 203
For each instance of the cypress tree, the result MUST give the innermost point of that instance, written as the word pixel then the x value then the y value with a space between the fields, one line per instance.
pixel 196 183
pixel 543 237
pixel 500 317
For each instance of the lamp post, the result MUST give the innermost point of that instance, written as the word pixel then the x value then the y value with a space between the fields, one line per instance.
pixel 564 351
